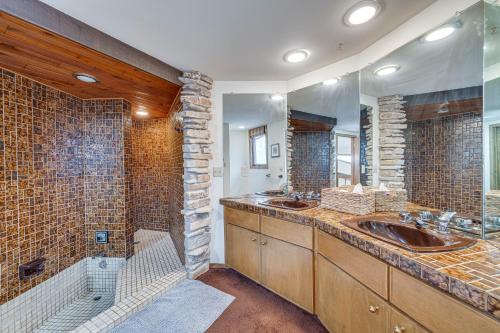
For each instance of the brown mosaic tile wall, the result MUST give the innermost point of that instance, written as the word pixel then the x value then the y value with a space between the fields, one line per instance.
pixel 41 181
pixel 444 163
pixel 157 178
pixel 310 161
pixel 108 182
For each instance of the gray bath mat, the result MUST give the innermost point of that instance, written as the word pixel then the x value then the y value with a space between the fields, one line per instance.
pixel 190 307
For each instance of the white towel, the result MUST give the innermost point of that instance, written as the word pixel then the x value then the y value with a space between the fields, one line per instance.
pixel 358 189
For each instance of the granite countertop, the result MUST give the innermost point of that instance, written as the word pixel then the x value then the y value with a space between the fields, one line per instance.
pixel 472 275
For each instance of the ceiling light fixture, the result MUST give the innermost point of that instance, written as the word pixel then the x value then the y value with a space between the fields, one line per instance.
pixel 87 78
pixel 296 56
pixel 277 97
pixel 387 70
pixel 362 12
pixel 331 82
pixel 241 127
pixel 142 113
pixel 441 32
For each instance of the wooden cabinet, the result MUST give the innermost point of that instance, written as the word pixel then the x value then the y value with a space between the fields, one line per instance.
pixel 287 269
pixel 283 265
pixel 346 306
pixel 243 251
pixel 435 310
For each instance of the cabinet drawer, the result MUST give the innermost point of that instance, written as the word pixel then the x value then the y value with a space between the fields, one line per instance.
pixel 399 323
pixel 435 310
pixel 241 218
pixel 372 272
pixel 295 233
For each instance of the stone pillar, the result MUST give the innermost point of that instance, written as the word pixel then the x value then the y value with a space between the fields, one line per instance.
pixel 196 104
pixel 368 128
pixel 392 141
pixel 289 148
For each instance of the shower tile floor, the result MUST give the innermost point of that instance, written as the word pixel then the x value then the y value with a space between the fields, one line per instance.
pixel 155 265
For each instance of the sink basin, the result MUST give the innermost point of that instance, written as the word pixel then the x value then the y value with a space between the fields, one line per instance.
pixel 408 236
pixel 271 193
pixel 290 204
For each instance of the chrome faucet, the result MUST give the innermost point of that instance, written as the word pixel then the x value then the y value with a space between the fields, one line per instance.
pixel 407 218
pixel 444 220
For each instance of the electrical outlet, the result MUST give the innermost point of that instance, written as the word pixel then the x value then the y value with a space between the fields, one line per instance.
pixel 217 172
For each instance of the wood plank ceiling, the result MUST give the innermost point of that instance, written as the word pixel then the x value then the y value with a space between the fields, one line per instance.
pixel 52 59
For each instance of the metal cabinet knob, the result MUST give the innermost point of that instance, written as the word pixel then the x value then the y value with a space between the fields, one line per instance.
pixel 373 308
pixel 399 329
pixel 263 243
pixel 253 239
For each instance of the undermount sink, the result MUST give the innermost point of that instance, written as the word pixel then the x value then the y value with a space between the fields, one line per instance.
pixel 408 236
pixel 291 204
pixel 271 193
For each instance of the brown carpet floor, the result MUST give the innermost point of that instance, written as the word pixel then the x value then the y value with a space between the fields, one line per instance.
pixel 256 309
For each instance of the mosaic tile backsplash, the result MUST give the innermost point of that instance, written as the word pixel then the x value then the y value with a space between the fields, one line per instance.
pixel 310 161
pixel 444 163
pixel 64 172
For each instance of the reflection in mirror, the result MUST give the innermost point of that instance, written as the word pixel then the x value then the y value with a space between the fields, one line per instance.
pixel 491 136
pixel 324 135
pixel 421 107
pixel 254 142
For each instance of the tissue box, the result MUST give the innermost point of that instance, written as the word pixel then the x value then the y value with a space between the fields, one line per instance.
pixel 393 200
pixel 343 200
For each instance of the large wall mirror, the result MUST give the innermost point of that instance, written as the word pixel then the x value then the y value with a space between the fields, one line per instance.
pixel 254 144
pixel 323 135
pixel 491 128
pixel 422 109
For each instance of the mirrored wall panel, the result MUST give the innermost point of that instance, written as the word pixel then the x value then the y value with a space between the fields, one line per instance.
pixel 422 115
pixel 491 133
pixel 254 144
pixel 323 136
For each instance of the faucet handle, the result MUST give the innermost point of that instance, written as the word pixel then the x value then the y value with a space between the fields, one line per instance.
pixel 406 217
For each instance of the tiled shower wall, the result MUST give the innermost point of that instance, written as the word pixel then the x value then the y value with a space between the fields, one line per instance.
pixel 444 163
pixel 45 181
pixel 157 177
pixel 108 183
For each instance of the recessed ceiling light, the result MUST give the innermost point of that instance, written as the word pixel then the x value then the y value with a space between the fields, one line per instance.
pixel 277 97
pixel 87 78
pixel 331 82
pixel 141 113
pixel 387 70
pixel 295 56
pixel 362 12
pixel 241 127
pixel 440 33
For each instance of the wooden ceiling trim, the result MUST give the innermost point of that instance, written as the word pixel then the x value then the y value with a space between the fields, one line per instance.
pixel 52 59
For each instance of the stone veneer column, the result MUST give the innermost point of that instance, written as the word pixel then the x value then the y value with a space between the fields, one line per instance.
pixel 289 149
pixel 196 104
pixel 369 146
pixel 392 142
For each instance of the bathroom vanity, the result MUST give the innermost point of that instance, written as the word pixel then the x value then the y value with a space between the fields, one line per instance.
pixel 354 282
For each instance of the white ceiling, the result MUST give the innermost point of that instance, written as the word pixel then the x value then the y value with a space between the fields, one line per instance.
pixel 252 110
pixel 339 101
pixel 451 63
pixel 239 39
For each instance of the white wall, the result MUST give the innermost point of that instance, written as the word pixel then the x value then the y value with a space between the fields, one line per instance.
pixel 432 16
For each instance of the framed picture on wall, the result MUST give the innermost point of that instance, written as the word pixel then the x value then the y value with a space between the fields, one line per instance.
pixel 275 150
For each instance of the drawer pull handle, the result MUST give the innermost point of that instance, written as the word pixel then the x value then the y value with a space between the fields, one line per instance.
pixel 373 308
pixel 263 243
pixel 253 239
pixel 399 329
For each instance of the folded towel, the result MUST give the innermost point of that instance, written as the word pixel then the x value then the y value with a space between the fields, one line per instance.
pixel 358 189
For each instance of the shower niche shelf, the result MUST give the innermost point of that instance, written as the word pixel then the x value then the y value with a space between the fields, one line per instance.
pixel 31 269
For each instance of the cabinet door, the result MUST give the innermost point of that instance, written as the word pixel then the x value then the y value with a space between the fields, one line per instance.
pixel 344 305
pixel 243 251
pixel 287 269
pixel 399 323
